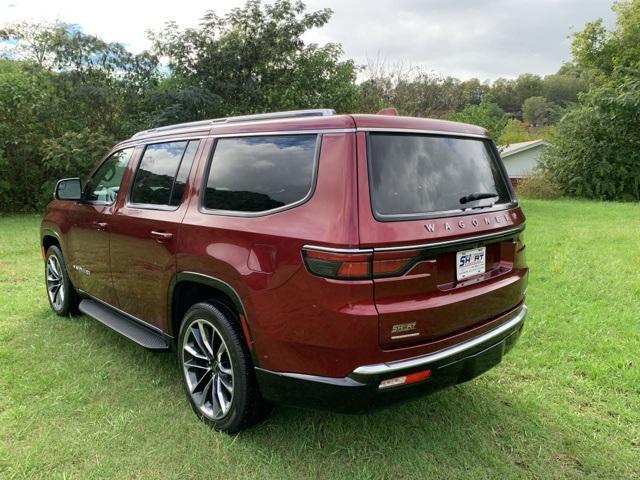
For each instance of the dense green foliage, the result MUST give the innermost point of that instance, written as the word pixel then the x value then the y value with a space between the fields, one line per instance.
pixel 538 185
pixel 65 96
pixel 487 114
pixel 596 151
pixel 79 401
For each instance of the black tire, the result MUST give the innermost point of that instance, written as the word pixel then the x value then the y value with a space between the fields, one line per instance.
pixel 63 298
pixel 218 358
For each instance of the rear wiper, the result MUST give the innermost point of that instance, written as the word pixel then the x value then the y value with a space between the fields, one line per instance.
pixel 477 196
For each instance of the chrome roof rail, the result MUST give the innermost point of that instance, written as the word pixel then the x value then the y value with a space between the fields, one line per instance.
pixel 319 112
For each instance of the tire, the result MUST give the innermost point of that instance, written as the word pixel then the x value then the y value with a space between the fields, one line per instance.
pixel 63 298
pixel 217 370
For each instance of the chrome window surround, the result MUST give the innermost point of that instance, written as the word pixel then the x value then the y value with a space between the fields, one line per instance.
pixel 235 213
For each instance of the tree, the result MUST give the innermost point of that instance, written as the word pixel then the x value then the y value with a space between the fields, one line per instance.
pixel 514 131
pixel 596 152
pixel 528 85
pixel 563 89
pixel 255 60
pixel 538 111
pixel 504 92
pixel 487 114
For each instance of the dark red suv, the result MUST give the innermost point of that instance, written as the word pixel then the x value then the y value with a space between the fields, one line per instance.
pixel 304 257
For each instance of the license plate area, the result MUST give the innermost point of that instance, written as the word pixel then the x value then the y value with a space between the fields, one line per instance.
pixel 470 263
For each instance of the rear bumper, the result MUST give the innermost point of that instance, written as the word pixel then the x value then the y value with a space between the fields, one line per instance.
pixel 359 391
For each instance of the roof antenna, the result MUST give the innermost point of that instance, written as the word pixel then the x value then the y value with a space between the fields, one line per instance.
pixel 388 111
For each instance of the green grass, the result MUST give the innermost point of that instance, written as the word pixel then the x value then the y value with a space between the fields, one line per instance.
pixel 79 401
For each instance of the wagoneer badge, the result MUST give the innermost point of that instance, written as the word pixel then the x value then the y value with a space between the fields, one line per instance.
pixel 462 224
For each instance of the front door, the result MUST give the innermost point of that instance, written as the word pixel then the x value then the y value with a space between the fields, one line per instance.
pixel 88 236
pixel 144 230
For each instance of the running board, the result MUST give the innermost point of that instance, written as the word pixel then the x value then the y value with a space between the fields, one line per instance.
pixel 129 328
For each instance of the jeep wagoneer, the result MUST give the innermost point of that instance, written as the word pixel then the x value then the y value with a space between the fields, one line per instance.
pixel 335 261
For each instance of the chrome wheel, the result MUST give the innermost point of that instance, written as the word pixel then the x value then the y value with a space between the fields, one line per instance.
pixel 55 282
pixel 207 369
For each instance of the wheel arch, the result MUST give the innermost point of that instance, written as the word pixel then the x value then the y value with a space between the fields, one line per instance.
pixel 48 239
pixel 189 288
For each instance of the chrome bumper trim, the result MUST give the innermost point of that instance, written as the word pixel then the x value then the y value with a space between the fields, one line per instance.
pixel 426 360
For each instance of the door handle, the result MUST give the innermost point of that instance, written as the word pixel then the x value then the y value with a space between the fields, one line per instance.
pixel 161 236
pixel 99 225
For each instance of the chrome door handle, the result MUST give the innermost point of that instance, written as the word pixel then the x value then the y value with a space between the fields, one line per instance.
pixel 161 236
pixel 99 225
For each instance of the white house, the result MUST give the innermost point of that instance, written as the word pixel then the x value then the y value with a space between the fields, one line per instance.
pixel 520 159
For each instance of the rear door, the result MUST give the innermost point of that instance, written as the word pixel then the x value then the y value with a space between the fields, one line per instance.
pixel 144 229
pixel 441 218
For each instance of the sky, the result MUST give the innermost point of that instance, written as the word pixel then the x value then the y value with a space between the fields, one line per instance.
pixel 485 39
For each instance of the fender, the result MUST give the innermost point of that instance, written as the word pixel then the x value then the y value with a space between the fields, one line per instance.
pixel 219 285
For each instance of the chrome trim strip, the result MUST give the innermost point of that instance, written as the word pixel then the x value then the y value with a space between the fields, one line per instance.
pixel 445 243
pixel 425 360
pixel 337 250
pixel 131 142
pixel 425 132
pixel 407 335
pixel 316 131
pixel 457 241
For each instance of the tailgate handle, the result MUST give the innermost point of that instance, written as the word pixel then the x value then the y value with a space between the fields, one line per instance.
pixel 161 236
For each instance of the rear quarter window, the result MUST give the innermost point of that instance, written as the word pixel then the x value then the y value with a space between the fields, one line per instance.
pixel 417 176
pixel 261 173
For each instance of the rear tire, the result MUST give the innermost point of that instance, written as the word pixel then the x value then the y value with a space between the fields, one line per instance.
pixel 63 298
pixel 217 370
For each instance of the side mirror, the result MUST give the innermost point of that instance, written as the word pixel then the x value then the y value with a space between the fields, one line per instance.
pixel 68 189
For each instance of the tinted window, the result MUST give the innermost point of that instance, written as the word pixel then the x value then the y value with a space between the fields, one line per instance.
pixel 183 172
pixel 254 174
pixel 156 175
pixel 419 174
pixel 104 185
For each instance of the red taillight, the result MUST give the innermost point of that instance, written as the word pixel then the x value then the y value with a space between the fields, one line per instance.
pixel 391 263
pixel 357 264
pixel 342 265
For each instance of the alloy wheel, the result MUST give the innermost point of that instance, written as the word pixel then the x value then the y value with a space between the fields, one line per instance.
pixel 55 282
pixel 208 369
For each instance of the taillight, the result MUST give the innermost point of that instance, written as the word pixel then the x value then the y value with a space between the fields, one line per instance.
pixel 358 264
pixel 342 265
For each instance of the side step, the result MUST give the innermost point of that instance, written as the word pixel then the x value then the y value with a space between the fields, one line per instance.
pixel 129 328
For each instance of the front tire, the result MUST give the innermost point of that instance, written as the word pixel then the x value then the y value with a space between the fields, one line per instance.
pixel 63 298
pixel 217 370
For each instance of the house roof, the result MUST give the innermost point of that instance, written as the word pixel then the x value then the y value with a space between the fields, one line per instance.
pixel 506 150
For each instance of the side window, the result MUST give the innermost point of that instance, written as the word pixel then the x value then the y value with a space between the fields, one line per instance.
pixel 256 174
pixel 104 185
pixel 163 172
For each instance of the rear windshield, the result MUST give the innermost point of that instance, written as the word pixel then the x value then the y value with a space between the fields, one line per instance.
pixel 418 175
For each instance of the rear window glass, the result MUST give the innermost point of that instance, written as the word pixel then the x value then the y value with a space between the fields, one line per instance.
pixel 256 174
pixel 417 175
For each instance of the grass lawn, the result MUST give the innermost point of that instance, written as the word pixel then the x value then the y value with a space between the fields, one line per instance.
pixel 79 401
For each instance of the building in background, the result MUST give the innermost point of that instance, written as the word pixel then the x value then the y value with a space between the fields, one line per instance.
pixel 522 158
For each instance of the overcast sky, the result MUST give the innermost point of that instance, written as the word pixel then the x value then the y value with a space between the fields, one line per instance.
pixel 486 39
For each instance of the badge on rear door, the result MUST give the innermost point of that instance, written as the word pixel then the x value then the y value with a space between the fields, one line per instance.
pixel 470 262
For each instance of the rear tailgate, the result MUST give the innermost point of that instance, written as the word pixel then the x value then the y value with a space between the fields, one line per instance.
pixel 427 298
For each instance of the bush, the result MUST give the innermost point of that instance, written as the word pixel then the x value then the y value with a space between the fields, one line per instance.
pixel 539 185
pixel 514 132
pixel 596 151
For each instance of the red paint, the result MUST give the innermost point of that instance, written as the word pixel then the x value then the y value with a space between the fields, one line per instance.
pixel 299 322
